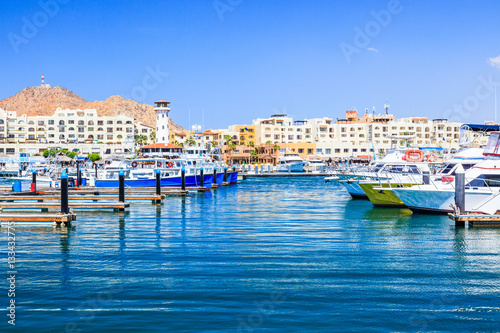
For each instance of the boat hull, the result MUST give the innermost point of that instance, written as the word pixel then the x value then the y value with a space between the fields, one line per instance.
pixel 381 195
pixel 191 181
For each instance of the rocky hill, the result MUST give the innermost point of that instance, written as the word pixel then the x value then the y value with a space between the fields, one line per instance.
pixel 43 101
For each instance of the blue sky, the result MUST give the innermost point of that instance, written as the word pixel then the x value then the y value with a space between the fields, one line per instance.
pixel 236 60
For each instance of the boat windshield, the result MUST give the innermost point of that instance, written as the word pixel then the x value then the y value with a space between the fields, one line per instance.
pixel 486 180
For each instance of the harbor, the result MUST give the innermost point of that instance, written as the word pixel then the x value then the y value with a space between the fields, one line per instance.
pixel 250 255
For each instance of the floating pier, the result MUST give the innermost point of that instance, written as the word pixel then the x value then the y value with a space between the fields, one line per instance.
pixel 54 218
pixel 476 220
pixel 46 206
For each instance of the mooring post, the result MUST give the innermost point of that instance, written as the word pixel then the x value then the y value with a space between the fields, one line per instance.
pixel 33 180
pixel 64 193
pixel 201 177
pixel 78 175
pixel 121 186
pixel 460 193
pixel 225 173
pixel 215 175
pixel 20 172
pixel 95 167
pixel 289 168
pixel 426 178
pixel 158 182
pixel 183 179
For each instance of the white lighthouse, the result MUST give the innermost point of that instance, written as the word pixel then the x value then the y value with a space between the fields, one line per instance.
pixel 162 109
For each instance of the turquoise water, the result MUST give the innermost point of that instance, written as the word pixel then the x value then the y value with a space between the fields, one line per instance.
pixel 266 255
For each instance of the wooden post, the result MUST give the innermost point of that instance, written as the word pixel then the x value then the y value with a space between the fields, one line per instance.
pixel 201 177
pixel 64 193
pixel 225 173
pixel 95 167
pixel 215 175
pixel 289 168
pixel 78 175
pixel 183 179
pixel 460 194
pixel 426 178
pixel 20 172
pixel 121 186
pixel 158 182
pixel 33 180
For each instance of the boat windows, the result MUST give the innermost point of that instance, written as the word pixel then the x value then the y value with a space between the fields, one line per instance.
pixel 448 168
pixel 485 180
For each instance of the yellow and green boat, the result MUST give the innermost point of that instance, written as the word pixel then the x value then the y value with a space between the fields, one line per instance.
pixel 380 193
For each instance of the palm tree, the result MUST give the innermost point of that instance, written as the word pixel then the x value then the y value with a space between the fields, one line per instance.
pixel 268 142
pixel 276 147
pixel 231 147
pixel 228 139
pixel 190 142
pixel 141 139
pixel 152 136
pixel 251 144
pixel 254 154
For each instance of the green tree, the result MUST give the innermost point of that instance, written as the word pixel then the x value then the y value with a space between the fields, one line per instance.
pixel 228 139
pixel 251 144
pixel 268 142
pixel 254 154
pixel 94 157
pixel 49 152
pixel 152 136
pixel 190 142
pixel 141 139
pixel 276 148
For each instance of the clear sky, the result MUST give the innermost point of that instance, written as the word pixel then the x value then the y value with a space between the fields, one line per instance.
pixel 236 60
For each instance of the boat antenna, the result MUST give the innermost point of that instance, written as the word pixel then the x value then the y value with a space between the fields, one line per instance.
pixel 495 104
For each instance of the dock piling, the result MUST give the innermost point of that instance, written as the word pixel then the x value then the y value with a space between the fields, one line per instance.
pixel 20 172
pixel 460 194
pixel 215 175
pixel 95 167
pixel 78 175
pixel 33 181
pixel 158 184
pixel 64 193
pixel 183 179
pixel 225 173
pixel 201 177
pixel 121 186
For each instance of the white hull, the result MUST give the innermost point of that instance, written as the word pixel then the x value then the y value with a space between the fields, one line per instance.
pixel 291 167
pixel 441 200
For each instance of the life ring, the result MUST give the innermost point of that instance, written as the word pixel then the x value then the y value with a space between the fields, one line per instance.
pixel 431 157
pixel 134 164
pixel 414 155
pixel 170 164
pixel 158 164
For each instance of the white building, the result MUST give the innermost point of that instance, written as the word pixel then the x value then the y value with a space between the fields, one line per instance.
pixel 73 129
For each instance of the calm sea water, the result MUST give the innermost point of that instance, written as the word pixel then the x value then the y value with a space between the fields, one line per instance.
pixel 266 255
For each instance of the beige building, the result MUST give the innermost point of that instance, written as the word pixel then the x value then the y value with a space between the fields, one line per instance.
pixel 70 128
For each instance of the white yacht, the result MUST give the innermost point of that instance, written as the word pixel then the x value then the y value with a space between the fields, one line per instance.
pixel 482 186
pixel 290 162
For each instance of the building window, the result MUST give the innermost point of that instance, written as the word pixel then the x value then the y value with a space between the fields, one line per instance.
pixel 71 122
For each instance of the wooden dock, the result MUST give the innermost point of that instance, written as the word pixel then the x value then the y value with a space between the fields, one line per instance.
pixel 46 206
pixel 476 220
pixel 43 198
pixel 57 218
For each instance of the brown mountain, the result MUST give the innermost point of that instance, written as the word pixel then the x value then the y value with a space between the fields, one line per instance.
pixel 43 101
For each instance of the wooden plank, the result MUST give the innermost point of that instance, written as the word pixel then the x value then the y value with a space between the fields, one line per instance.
pixel 86 197
pixel 38 217
pixel 57 205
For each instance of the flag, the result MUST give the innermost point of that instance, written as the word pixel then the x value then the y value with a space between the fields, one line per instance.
pixel 246 129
